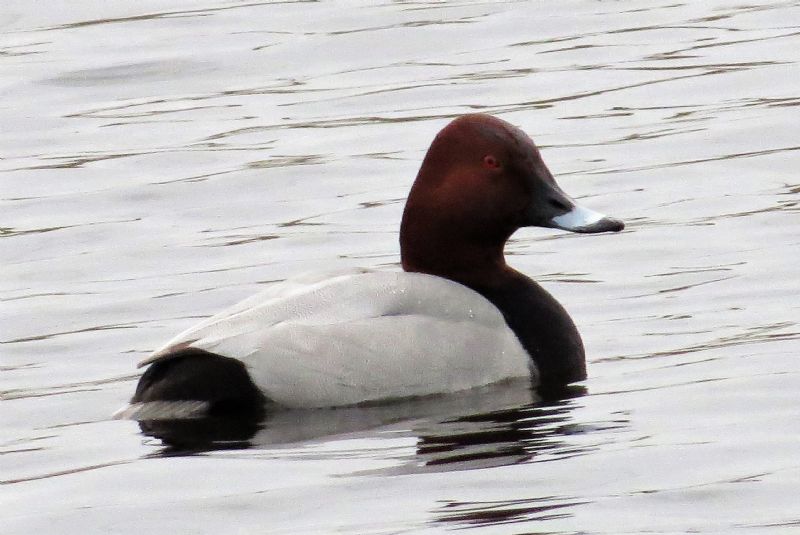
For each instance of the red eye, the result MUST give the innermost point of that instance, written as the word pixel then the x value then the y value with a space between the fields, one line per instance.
pixel 491 162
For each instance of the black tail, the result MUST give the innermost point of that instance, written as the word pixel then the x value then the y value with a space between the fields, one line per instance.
pixel 191 374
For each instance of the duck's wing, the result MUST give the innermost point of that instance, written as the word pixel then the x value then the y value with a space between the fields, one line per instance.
pixel 362 336
pixel 299 284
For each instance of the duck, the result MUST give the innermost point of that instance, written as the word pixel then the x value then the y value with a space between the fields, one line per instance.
pixel 456 317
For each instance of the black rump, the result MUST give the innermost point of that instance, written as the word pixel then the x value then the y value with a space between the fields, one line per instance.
pixel 192 374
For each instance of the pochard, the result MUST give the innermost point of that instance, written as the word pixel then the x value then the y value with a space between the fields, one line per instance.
pixel 457 316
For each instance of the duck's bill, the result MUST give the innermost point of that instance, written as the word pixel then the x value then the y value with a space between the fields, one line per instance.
pixel 584 220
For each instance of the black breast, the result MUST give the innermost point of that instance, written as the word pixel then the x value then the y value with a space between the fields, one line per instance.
pixel 543 327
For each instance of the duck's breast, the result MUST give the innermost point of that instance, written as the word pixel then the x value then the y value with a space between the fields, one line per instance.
pixel 362 335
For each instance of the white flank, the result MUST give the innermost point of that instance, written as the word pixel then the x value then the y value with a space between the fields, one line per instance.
pixel 360 336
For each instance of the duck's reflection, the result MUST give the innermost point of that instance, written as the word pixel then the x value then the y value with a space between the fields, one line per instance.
pixel 498 425
pixel 474 514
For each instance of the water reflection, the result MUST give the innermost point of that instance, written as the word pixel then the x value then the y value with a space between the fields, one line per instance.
pixel 496 438
pixel 493 426
pixel 474 514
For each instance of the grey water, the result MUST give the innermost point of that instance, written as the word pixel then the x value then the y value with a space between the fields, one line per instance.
pixel 160 160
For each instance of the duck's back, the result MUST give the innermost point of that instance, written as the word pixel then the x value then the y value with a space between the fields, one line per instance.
pixel 360 335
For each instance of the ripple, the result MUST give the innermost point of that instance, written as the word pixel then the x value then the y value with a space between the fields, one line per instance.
pixel 474 514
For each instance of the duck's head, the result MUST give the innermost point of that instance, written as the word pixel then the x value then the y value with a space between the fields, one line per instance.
pixel 481 180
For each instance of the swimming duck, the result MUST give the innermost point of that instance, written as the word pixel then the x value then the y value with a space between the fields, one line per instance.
pixel 456 317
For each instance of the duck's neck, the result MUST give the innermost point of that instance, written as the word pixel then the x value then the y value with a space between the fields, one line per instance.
pixel 540 323
pixel 474 265
pixel 464 250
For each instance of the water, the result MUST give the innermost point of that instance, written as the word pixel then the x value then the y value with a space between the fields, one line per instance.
pixel 161 160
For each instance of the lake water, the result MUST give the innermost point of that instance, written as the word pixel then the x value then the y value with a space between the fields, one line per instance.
pixel 162 160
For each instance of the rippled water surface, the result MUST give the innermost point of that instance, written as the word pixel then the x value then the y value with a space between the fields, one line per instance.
pixel 161 160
